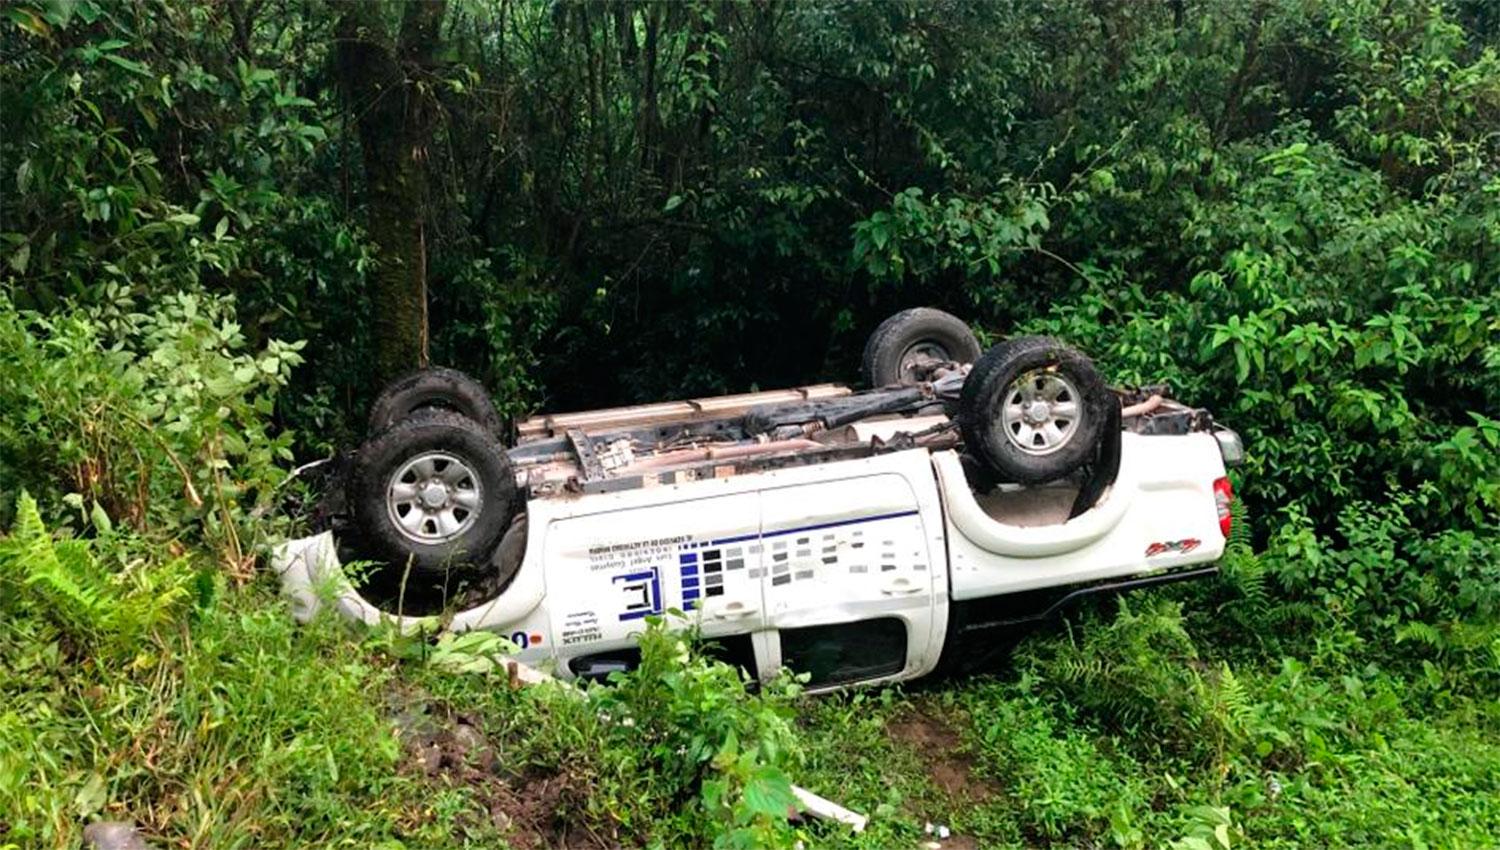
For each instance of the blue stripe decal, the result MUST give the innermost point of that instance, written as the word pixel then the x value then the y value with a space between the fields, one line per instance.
pixel 689 558
pixel 689 582
pixel 817 527
pixel 689 572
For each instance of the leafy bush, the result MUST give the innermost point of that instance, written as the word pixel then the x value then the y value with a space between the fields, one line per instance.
pixel 1376 567
pixel 160 418
pixel 689 722
pixel 205 716
pixel 675 752
pixel 1063 782
pixel 1135 671
pixel 1259 748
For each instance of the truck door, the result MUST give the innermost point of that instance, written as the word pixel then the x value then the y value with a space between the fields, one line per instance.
pixel 849 580
pixel 608 571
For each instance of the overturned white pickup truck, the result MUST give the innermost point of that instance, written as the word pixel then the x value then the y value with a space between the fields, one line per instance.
pixel 855 536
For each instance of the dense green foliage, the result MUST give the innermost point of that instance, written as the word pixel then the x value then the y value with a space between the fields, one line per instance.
pixel 1288 210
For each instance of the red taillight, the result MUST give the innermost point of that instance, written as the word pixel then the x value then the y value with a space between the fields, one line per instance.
pixel 1223 498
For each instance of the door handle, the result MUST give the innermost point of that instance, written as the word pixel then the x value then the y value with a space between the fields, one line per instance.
pixel 733 611
pixel 902 586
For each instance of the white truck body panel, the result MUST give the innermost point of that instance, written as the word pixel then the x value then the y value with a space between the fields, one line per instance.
pixel 891 535
pixel 1159 514
pixel 748 553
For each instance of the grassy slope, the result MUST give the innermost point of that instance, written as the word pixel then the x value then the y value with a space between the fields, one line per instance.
pixel 1035 777
pixel 246 731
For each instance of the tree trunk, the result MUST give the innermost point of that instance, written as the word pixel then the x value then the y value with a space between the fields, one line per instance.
pixel 1233 102
pixel 388 85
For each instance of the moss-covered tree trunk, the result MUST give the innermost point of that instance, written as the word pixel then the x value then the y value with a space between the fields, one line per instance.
pixel 389 86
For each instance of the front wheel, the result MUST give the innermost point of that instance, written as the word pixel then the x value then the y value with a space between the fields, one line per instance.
pixel 433 492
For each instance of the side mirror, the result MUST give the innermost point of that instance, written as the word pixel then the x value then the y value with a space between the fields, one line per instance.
pixel 1230 446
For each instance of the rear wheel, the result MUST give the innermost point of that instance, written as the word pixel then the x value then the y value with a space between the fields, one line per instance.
pixel 434 388
pixel 907 345
pixel 1033 409
pixel 435 491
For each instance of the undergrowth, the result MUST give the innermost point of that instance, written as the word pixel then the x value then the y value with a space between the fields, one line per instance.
pixel 1336 687
pixel 200 711
pixel 203 713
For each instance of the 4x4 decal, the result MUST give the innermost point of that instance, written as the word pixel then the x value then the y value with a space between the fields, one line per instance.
pixel 1180 546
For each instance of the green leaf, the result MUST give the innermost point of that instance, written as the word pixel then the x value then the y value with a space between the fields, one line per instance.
pixel 91 796
pixel 28 21
pixel 769 792
pixel 21 258
pixel 100 519
pixel 130 65
pixel 672 203
pixel 60 12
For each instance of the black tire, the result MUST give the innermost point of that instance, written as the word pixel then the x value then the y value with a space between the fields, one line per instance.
pixel 978 473
pixel 437 387
pixel 1027 450
pixel 907 333
pixel 454 453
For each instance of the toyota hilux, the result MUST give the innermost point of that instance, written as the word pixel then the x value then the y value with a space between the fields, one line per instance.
pixel 856 536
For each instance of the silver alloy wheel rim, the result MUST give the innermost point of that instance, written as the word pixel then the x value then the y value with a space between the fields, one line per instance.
pixel 1041 412
pixel 433 498
pixel 918 355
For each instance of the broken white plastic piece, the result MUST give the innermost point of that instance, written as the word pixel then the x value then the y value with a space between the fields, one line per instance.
pixel 312 577
pixel 828 810
pixel 524 674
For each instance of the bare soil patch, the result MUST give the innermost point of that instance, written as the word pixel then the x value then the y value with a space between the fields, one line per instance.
pixel 941 751
pixel 532 808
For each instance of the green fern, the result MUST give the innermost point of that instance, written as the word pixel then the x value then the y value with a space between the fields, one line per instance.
pixel 1239 529
pixel 1234 703
pixel 1470 650
pixel 1136 670
pixel 55 575
pixel 1245 573
pixel 1423 633
pixel 63 582
pixel 1296 611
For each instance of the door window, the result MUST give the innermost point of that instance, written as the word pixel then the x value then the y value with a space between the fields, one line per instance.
pixel 840 653
pixel 734 650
